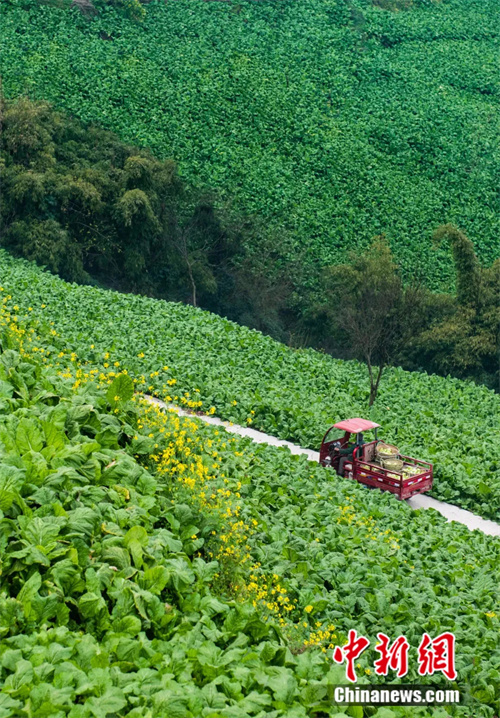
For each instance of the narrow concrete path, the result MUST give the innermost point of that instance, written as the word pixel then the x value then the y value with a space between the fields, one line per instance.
pixel 454 513
pixel 420 501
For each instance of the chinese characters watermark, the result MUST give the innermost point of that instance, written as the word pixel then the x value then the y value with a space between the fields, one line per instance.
pixel 434 655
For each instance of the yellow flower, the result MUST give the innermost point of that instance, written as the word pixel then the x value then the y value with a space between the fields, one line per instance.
pixel 308 609
pixel 491 614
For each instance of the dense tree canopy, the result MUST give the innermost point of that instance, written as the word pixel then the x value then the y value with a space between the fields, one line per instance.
pixel 335 121
pixel 91 208
pixel 465 339
pixel 86 205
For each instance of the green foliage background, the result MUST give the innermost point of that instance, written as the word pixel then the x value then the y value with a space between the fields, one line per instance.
pixel 293 394
pixel 109 604
pixel 91 208
pixel 335 120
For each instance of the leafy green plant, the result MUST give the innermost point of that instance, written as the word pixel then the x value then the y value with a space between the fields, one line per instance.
pixel 120 391
pixel 386 122
pixel 86 205
pixel 294 394
pixel 99 589
pixel 112 545
pixel 107 604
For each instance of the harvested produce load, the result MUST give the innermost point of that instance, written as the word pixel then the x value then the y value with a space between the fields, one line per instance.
pixel 409 470
pixel 386 451
pixel 291 394
pixel 137 597
pixel 374 463
pixel 393 464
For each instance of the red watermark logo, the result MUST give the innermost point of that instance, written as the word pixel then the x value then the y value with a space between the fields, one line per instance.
pixel 434 655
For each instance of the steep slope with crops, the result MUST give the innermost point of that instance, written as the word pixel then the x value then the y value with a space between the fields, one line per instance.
pixel 251 379
pixel 334 121
pixel 156 566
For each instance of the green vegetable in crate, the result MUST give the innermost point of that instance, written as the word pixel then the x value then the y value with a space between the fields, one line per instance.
pixel 370 462
pixel 387 451
pixel 392 464
pixel 410 470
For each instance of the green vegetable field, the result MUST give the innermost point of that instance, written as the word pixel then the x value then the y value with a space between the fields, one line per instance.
pixel 250 378
pixel 335 121
pixel 153 566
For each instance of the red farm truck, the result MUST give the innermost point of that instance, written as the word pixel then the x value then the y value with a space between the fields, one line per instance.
pixel 372 462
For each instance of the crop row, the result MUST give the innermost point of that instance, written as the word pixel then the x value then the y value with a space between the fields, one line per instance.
pixel 248 378
pixel 334 121
pixel 111 594
pixel 105 601
pixel 154 563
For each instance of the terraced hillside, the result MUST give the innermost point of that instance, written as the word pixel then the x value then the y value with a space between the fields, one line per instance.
pixel 246 377
pixel 152 565
pixel 334 120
